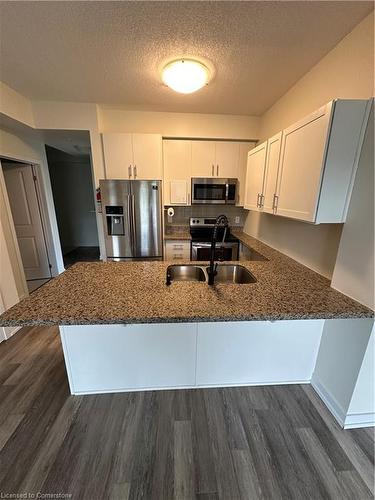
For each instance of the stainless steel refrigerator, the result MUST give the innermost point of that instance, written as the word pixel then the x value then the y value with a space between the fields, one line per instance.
pixel 132 212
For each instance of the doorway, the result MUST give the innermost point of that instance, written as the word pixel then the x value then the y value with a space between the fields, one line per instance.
pixel 25 205
pixel 73 194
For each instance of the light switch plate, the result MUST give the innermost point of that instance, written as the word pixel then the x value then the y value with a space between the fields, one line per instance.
pixel 237 219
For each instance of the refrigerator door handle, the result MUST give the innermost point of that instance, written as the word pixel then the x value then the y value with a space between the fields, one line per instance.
pixel 131 229
pixel 133 223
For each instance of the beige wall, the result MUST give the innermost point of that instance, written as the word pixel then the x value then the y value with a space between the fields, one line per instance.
pixel 179 124
pixel 345 72
pixel 354 270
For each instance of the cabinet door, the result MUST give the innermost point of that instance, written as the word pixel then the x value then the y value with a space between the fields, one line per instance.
pixel 256 161
pixel 147 156
pixel 226 164
pixel 270 176
pixel 118 155
pixel 177 166
pixel 301 165
pixel 203 159
pixel 244 148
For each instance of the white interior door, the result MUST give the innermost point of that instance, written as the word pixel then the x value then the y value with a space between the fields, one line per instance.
pixel 256 162
pixel 270 176
pixel 23 200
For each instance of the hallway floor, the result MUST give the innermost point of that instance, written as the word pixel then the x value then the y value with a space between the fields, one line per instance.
pixel 81 254
pixel 274 442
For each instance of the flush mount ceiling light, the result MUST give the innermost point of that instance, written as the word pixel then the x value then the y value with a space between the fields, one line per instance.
pixel 185 75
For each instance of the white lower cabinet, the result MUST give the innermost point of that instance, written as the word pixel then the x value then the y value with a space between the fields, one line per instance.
pixel 115 358
pixel 177 250
pixel 257 352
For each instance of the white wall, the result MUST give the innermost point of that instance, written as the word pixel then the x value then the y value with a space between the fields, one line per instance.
pixel 179 124
pixel 345 72
pixel 340 358
pixel 354 270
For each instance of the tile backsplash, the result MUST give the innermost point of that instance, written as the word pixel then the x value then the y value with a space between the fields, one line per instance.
pixel 182 214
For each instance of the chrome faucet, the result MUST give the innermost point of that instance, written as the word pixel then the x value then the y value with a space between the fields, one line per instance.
pixel 221 221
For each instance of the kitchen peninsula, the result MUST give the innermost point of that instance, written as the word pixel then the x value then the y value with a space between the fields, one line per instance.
pixel 123 329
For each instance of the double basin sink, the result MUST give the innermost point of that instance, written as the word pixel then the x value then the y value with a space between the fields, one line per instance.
pixel 226 273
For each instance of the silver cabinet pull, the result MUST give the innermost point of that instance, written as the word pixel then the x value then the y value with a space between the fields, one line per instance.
pixel 188 198
pixel 275 203
pixel 217 170
pixel 213 170
pixel 258 203
pixel 135 171
pixel 129 170
pixel 261 200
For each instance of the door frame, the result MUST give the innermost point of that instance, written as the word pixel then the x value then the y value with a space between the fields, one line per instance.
pixel 49 224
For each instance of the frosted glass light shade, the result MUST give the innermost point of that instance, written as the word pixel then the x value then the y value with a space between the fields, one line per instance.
pixel 185 75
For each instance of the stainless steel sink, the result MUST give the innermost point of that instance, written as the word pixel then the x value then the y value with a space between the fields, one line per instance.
pixel 185 273
pixel 227 273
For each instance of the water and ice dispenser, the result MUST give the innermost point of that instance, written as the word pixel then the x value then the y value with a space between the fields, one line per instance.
pixel 115 220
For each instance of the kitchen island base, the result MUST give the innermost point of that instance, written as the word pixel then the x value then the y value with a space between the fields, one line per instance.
pixel 116 358
pixel 156 356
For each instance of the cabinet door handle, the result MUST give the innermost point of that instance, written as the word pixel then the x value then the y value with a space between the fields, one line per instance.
pixel 275 203
pixel 188 198
pixel 258 205
pixel 129 170
pixel 213 170
pixel 217 170
pixel 261 200
pixel 135 171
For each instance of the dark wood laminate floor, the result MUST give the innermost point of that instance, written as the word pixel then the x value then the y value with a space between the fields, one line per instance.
pixel 276 442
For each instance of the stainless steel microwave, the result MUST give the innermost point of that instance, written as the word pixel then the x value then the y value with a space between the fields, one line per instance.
pixel 213 191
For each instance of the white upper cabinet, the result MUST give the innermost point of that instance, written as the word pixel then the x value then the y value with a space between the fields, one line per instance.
pixel 318 162
pixel 132 156
pixel 214 158
pixel 270 174
pixel 256 161
pixel 177 171
pixel 118 155
pixel 147 151
pixel 243 150
pixel 203 158
pixel 226 159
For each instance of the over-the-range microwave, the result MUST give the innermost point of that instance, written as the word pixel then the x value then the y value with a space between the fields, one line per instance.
pixel 213 191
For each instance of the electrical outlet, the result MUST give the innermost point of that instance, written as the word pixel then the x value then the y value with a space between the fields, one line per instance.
pixel 237 219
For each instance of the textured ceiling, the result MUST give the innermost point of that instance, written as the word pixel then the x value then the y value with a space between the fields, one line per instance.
pixel 111 52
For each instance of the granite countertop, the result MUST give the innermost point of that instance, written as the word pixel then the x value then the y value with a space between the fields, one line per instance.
pixel 135 292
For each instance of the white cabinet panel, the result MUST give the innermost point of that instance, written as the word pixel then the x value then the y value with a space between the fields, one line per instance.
pixel 112 358
pixel 226 159
pixel 244 148
pixel 271 172
pixel 256 161
pixel 257 352
pixel 177 167
pixel 118 155
pixel 177 250
pixel 203 159
pixel 147 154
pixel 301 165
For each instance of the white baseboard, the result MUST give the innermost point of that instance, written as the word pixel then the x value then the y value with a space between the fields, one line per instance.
pixel 357 420
pixel 8 331
pixel 346 421
pixel 332 404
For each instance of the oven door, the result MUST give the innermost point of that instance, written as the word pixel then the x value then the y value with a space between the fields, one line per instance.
pixel 202 251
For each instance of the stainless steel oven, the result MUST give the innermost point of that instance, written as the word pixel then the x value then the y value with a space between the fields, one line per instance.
pixel 213 191
pixel 201 250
